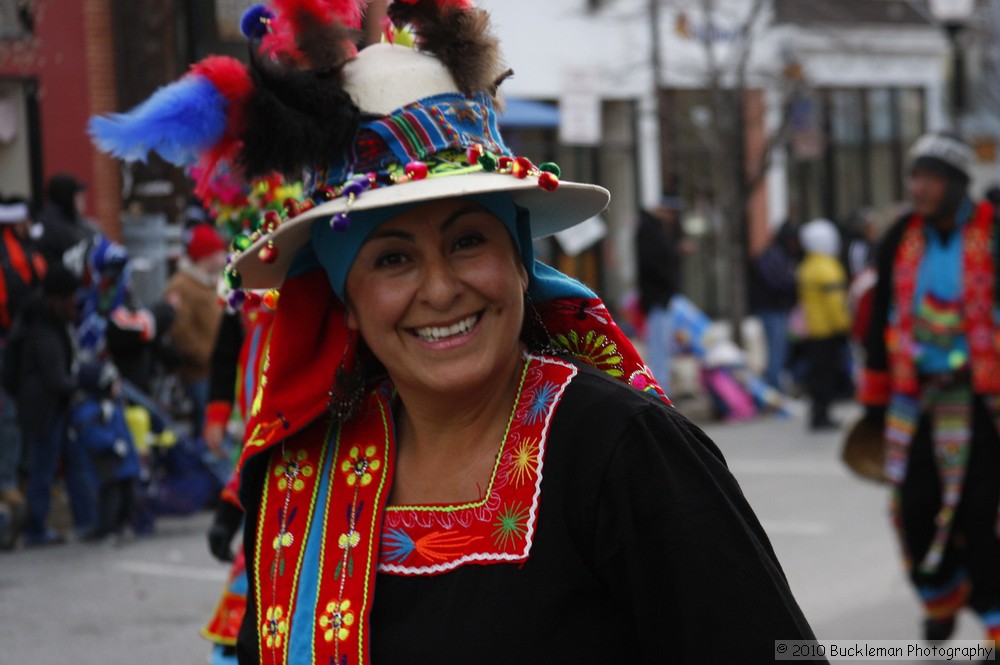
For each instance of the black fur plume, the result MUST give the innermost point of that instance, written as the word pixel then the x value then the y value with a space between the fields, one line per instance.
pixel 460 37
pixel 296 119
pixel 325 46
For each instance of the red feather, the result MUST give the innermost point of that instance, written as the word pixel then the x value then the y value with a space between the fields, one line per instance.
pixel 293 17
pixel 228 75
pixel 231 79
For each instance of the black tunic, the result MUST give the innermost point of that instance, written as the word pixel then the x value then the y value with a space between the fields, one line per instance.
pixel 646 551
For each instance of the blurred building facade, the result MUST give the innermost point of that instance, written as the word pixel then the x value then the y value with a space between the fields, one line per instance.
pixel 56 68
pixel 834 91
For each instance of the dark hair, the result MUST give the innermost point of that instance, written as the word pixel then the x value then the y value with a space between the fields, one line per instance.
pixel 940 167
pixel 62 190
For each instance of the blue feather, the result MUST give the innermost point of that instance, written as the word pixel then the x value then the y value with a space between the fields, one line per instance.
pixel 179 122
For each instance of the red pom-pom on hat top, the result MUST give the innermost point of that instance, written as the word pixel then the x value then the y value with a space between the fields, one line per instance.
pixel 204 241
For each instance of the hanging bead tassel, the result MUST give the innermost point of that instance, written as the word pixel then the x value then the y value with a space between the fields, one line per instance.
pixel 268 253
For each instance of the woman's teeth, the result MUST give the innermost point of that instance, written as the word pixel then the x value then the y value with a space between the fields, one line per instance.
pixel 435 333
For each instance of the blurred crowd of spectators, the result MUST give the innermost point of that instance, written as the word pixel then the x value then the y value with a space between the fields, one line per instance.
pixel 93 380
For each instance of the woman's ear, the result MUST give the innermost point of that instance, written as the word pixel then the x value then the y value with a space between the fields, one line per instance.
pixel 523 275
pixel 350 318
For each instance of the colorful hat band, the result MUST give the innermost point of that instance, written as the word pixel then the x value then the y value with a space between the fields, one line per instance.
pixel 417 132
pixel 438 123
pixel 445 134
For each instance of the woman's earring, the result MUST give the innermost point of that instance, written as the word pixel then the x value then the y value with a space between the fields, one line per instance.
pixel 348 388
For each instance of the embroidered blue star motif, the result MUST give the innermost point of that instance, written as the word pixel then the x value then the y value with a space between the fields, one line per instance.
pixel 540 403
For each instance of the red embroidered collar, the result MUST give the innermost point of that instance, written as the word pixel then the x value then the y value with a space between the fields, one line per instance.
pixel 426 540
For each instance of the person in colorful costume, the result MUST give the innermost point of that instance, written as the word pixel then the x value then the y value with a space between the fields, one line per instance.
pixel 932 378
pixel 237 362
pixel 455 453
pixel 237 365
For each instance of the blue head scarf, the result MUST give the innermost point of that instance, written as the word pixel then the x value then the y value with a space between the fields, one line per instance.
pixel 335 251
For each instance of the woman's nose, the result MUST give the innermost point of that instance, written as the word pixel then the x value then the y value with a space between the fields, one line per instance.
pixel 440 286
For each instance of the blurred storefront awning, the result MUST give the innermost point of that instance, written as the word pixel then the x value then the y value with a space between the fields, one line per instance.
pixel 527 113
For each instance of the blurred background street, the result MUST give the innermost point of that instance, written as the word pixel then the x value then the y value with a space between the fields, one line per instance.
pixel 722 128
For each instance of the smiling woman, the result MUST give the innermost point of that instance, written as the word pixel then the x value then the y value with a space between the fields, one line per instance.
pixel 440 292
pixel 456 455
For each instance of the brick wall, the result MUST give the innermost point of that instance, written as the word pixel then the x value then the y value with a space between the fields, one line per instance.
pixel 106 190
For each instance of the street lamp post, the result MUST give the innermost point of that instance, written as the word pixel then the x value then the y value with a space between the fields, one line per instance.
pixel 953 17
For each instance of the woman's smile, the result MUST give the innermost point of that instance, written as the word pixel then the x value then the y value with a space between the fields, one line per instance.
pixel 433 334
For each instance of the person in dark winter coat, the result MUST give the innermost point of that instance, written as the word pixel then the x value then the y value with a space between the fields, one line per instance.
pixel 98 425
pixel 62 218
pixel 773 294
pixel 191 291
pixel 21 272
pixel 46 382
pixel 659 246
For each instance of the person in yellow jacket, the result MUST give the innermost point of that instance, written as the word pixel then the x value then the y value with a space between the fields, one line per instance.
pixel 822 286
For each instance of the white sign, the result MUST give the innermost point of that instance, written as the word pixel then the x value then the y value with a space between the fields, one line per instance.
pixel 579 237
pixel 580 119
pixel 579 109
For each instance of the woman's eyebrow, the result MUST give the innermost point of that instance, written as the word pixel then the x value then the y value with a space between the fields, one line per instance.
pixel 390 233
pixel 454 217
pixel 448 222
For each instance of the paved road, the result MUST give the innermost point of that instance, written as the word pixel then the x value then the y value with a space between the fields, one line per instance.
pixel 145 602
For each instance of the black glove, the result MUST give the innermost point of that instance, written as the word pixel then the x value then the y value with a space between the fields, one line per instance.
pixel 875 415
pixel 224 527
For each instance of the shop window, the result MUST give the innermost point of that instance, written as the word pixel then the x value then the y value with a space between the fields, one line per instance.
pixel 16 19
pixel 864 136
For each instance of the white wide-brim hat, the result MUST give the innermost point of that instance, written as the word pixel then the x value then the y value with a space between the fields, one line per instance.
pixel 384 78
pixel 551 212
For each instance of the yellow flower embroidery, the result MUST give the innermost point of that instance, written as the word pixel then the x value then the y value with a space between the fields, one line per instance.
pixel 274 628
pixel 293 471
pixel 336 620
pixel 349 539
pixel 359 469
pixel 283 539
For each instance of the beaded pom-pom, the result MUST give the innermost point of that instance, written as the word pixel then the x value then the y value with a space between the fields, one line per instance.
pixel 255 21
